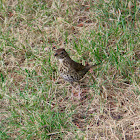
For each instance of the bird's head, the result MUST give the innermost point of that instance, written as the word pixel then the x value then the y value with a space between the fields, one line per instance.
pixel 61 54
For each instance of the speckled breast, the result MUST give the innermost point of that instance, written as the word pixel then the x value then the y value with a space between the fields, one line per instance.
pixel 67 73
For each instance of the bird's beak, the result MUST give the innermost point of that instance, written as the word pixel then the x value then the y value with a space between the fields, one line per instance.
pixel 55 54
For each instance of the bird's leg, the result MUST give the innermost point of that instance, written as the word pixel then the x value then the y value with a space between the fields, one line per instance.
pixel 79 90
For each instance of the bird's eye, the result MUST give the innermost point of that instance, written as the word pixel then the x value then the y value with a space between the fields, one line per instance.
pixel 62 52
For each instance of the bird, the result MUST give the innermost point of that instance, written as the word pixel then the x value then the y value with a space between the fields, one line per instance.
pixel 70 70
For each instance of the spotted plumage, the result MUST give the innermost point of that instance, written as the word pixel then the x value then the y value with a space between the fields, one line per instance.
pixel 70 70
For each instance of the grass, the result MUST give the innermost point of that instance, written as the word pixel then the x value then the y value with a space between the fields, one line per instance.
pixel 33 105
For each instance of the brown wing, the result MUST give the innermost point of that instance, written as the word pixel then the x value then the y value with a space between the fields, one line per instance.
pixel 77 66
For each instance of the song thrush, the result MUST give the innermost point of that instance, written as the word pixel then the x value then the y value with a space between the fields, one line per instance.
pixel 70 70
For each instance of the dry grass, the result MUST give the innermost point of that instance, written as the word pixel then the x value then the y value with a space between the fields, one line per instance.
pixel 33 105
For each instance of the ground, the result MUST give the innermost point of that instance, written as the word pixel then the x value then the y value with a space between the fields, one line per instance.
pixel 35 102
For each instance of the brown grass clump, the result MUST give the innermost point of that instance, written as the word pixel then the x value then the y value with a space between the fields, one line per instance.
pixel 35 103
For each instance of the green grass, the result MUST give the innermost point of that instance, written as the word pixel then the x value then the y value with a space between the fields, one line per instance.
pixel 33 105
